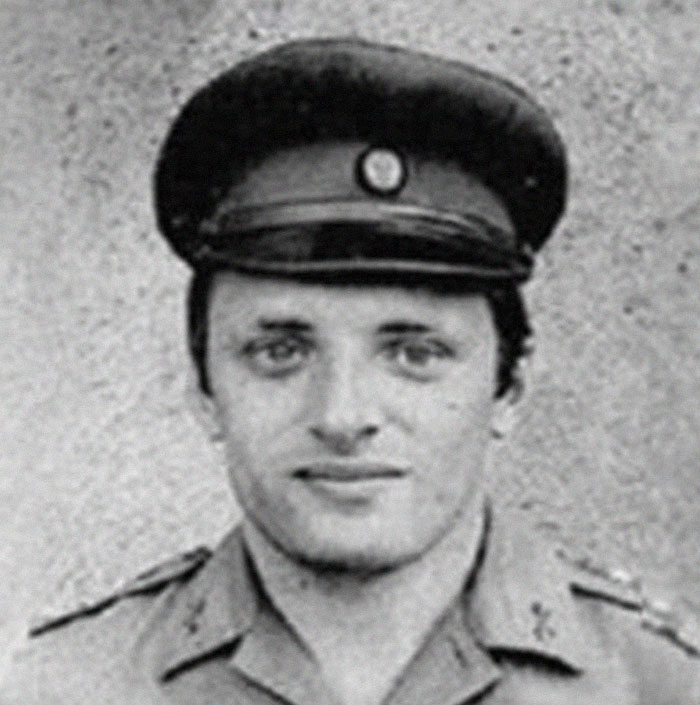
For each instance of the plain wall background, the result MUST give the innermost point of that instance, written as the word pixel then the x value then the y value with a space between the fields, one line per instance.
pixel 103 470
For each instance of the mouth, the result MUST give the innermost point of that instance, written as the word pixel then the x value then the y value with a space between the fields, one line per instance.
pixel 348 472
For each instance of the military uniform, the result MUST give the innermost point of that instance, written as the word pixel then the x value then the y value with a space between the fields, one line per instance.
pixel 530 628
pixel 329 157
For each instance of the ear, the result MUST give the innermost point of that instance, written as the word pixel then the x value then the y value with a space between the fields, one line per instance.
pixel 505 414
pixel 504 417
pixel 205 410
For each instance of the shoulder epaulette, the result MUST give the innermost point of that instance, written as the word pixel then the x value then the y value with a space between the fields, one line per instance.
pixel 669 618
pixel 616 586
pixel 152 580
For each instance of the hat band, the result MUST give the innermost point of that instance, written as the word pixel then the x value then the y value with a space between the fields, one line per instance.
pixel 360 235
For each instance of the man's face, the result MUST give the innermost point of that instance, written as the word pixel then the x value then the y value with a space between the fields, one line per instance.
pixel 355 418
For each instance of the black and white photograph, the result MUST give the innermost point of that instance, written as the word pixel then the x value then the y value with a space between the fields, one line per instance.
pixel 350 352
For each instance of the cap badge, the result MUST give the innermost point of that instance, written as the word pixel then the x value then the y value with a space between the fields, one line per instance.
pixel 381 171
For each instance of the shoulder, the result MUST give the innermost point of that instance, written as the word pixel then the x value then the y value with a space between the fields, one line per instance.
pixel 660 611
pixel 655 631
pixel 72 656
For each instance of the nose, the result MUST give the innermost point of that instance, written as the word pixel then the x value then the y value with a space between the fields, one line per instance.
pixel 343 441
pixel 345 413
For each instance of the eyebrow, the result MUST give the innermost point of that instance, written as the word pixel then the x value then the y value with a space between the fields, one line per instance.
pixel 296 325
pixel 401 327
pixel 291 325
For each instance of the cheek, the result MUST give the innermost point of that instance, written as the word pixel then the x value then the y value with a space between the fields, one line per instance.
pixel 452 434
pixel 454 412
pixel 256 417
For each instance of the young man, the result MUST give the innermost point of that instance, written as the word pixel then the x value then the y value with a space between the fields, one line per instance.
pixel 358 218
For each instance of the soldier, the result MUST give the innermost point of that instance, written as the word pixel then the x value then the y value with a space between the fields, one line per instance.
pixel 358 219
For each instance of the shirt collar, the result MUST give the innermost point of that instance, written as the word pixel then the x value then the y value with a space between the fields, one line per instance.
pixel 214 610
pixel 518 600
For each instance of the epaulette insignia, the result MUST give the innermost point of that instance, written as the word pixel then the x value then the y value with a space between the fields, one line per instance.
pixel 679 625
pixel 151 580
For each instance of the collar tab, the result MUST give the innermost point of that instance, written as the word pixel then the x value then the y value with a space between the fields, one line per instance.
pixel 521 600
pixel 212 611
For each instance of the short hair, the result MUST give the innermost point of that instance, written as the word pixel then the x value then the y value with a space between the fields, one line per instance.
pixel 507 308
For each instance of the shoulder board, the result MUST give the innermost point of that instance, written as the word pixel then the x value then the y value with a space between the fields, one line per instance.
pixel 616 586
pixel 152 580
pixel 677 622
pixel 670 618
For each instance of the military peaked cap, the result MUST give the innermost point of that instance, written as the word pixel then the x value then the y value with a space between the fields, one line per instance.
pixel 342 155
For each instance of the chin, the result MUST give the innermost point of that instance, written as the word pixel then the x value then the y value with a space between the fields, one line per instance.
pixel 364 556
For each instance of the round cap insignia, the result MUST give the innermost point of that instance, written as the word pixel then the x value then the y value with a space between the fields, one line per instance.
pixel 381 171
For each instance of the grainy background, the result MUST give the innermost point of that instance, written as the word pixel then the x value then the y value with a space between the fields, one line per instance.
pixel 103 471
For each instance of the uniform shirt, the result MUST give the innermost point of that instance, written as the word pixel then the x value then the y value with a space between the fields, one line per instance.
pixel 528 629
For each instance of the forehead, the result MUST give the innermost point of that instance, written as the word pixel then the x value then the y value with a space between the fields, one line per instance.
pixel 242 299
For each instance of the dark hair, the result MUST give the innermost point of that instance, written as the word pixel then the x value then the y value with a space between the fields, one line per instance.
pixel 507 307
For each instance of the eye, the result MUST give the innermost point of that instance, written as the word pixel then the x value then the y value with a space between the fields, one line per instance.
pixel 417 357
pixel 277 356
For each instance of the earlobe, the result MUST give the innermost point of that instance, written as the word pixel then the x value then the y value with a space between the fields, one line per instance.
pixel 205 410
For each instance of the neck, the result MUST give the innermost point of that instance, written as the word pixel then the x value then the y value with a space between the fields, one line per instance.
pixel 372 621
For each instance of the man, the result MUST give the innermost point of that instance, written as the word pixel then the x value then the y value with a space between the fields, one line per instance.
pixel 358 218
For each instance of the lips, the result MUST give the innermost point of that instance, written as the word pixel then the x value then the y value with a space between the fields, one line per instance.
pixel 348 472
